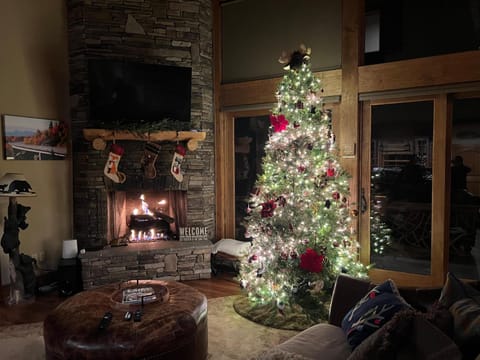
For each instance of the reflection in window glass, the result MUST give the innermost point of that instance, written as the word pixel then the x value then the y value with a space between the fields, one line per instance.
pixel 401 187
pixel 465 190
pixel 251 134
pixel 404 33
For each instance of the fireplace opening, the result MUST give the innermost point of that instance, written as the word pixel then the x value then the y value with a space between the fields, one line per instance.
pixel 144 216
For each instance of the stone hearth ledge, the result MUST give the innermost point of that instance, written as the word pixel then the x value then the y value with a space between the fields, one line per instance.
pixel 165 260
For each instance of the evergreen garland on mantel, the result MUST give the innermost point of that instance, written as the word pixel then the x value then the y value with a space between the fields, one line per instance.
pixel 142 126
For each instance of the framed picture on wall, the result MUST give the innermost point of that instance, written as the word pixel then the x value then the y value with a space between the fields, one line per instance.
pixel 28 138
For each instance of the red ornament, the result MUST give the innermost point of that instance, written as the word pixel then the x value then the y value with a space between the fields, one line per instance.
pixel 311 261
pixel 301 168
pixel 296 125
pixel 336 195
pixel 279 122
pixel 330 172
pixel 268 208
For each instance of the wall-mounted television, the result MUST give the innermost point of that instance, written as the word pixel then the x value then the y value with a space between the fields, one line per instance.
pixel 123 92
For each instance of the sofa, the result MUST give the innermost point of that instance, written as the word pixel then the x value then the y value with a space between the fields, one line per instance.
pixel 426 325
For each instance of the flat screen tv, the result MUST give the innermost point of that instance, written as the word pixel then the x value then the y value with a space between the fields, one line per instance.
pixel 123 93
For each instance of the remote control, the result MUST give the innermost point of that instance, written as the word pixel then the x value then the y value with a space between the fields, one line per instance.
pixel 137 316
pixel 105 321
pixel 128 316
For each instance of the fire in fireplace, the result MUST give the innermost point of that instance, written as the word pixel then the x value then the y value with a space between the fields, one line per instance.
pixel 146 224
pixel 146 216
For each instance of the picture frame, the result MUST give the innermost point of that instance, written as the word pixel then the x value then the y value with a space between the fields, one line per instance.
pixel 30 138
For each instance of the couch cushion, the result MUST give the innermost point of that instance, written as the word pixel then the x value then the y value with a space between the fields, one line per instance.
pixel 346 292
pixel 277 354
pixel 455 289
pixel 375 309
pixel 323 341
pixel 466 320
pixel 463 301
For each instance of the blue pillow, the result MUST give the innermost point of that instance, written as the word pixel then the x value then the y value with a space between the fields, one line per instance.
pixel 372 312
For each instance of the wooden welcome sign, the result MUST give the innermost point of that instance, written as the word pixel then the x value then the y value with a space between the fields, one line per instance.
pixel 193 233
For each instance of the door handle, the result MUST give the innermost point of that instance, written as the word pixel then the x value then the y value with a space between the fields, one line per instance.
pixel 363 202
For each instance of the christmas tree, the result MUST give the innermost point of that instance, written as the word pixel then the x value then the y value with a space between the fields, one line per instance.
pixel 299 216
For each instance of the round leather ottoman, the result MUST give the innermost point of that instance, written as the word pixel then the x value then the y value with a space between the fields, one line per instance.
pixel 173 326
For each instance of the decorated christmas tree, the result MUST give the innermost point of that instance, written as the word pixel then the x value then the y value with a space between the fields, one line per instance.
pixel 299 216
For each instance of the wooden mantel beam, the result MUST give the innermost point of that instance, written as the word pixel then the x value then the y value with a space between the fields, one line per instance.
pixel 100 136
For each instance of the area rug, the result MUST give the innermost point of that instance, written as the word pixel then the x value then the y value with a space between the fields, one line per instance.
pixel 230 336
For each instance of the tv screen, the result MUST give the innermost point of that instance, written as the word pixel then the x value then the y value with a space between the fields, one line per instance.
pixel 124 92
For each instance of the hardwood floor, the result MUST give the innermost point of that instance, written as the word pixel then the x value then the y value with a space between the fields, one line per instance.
pixel 218 286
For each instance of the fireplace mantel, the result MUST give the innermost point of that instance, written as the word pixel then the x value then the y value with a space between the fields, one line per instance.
pixel 100 136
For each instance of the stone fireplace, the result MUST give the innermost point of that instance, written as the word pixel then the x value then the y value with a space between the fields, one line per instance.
pixel 166 32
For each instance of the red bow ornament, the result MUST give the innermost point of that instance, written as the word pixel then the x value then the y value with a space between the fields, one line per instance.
pixel 311 261
pixel 279 122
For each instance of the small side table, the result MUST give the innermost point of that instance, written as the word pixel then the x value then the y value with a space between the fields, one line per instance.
pixel 70 275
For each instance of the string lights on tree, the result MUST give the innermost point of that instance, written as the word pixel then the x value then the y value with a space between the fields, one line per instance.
pixel 299 216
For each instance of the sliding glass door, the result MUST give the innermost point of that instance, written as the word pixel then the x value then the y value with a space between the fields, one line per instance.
pixel 420 187
pixel 464 231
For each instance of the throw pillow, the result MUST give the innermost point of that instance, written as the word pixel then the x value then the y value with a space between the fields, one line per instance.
pixel 384 342
pixel 440 316
pixel 231 247
pixel 454 290
pixel 466 321
pixel 372 312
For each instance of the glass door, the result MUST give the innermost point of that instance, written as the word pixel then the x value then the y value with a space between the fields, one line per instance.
pixel 251 134
pixel 400 167
pixel 464 230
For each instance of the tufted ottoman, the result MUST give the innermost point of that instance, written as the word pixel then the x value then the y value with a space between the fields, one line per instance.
pixel 173 326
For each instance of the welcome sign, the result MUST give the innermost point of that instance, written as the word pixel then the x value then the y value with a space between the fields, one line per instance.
pixel 193 233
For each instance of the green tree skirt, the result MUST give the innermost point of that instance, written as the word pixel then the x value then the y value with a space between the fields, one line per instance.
pixel 299 316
